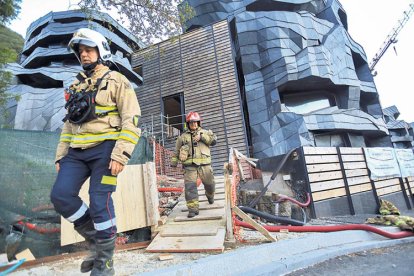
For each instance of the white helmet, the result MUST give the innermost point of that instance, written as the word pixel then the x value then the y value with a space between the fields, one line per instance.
pixel 91 38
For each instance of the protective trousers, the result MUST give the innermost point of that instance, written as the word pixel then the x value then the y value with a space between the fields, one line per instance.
pixel 75 168
pixel 191 173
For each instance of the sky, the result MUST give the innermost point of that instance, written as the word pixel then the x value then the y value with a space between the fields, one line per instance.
pixel 369 24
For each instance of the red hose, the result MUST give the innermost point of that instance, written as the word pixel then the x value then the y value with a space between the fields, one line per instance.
pixel 285 197
pixel 38 229
pixel 331 228
pixel 170 189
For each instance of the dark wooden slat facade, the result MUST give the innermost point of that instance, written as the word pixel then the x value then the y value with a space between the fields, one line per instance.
pixel 200 65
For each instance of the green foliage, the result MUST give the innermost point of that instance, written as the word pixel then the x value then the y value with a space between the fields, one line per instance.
pixel 149 20
pixel 9 9
pixel 10 40
pixel 11 45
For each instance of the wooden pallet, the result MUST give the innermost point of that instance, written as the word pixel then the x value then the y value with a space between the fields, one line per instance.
pixel 203 233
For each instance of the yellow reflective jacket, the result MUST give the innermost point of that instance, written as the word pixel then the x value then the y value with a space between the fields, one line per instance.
pixel 116 96
pixel 198 152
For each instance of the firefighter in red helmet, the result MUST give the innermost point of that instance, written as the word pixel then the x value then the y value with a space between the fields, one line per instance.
pixel 192 149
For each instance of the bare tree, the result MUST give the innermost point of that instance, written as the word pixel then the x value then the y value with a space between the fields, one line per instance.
pixel 149 20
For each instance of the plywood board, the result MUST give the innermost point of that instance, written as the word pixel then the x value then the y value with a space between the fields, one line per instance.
pixel 188 244
pixel 25 254
pixel 216 197
pixel 195 230
pixel 198 217
pixel 203 205
pixel 129 202
pixel 206 207
pixel 217 190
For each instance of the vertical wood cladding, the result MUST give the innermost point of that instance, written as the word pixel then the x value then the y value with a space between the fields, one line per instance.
pixel 200 65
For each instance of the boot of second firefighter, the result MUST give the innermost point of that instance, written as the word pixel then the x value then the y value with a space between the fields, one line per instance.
pixel 87 230
pixel 104 264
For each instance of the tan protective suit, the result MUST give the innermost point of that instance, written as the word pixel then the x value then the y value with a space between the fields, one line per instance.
pixel 196 159
pixel 117 96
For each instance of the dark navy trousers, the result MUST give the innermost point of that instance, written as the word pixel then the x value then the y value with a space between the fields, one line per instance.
pixel 75 168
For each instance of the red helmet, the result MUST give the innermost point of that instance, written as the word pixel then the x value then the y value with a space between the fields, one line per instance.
pixel 193 117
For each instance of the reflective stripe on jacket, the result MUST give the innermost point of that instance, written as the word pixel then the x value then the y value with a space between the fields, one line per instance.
pixel 117 102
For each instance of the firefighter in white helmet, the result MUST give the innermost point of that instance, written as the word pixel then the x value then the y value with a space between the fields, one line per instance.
pixel 192 149
pixel 98 137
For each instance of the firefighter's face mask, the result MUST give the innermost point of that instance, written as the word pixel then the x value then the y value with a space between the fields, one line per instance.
pixel 87 54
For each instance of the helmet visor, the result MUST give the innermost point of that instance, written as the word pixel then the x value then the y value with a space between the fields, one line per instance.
pixel 86 42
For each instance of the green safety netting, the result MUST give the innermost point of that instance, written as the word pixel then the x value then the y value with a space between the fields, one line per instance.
pixel 27 173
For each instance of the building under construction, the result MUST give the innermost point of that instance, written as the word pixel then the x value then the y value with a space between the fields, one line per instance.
pixel 267 77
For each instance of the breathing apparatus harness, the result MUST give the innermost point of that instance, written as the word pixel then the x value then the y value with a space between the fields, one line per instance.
pixel 81 105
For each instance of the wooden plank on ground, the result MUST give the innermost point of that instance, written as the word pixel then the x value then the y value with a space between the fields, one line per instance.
pixel 217 191
pixel 207 206
pixel 202 198
pixel 198 217
pixel 195 230
pixel 253 223
pixel 188 244
pixel 25 254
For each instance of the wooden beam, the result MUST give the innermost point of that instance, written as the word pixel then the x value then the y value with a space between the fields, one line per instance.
pixel 71 256
pixel 253 223
pixel 228 204
pixel 239 166
pixel 242 156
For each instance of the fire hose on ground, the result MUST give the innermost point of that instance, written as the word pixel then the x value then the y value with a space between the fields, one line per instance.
pixel 330 228
pixel 298 226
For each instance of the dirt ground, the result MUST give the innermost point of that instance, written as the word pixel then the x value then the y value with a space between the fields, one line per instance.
pixel 138 261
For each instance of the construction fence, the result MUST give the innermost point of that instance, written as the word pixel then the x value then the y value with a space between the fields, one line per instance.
pixel 27 174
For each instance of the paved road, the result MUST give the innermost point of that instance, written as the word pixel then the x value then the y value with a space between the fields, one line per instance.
pixel 397 260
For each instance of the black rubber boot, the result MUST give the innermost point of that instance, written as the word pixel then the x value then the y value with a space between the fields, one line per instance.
pixel 192 213
pixel 210 200
pixel 104 265
pixel 88 231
